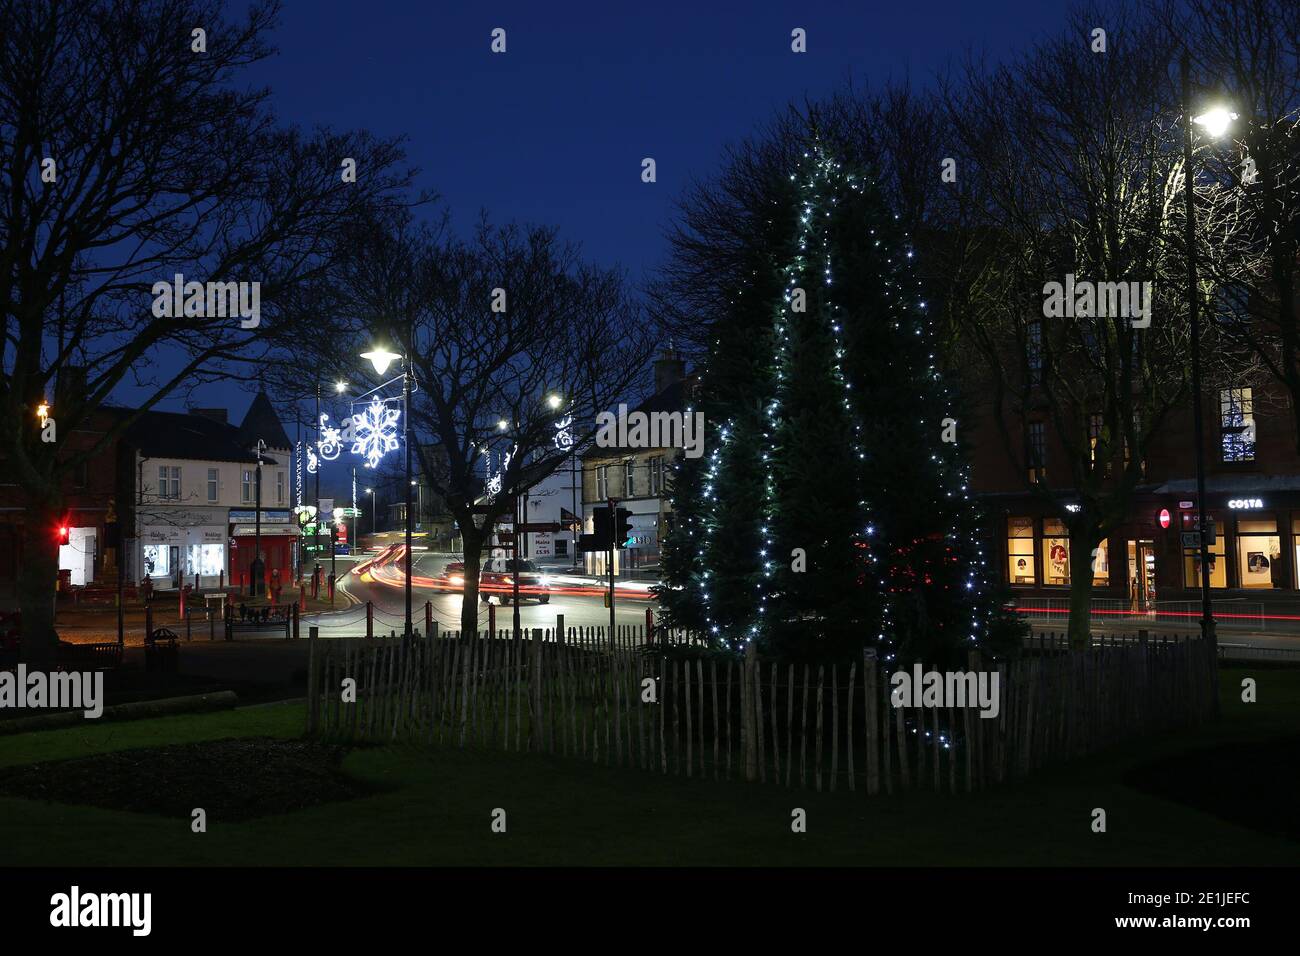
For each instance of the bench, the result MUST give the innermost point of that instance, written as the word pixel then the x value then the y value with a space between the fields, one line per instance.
pixel 103 656
pixel 259 619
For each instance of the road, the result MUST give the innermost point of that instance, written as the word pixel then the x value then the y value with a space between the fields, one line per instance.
pixel 581 605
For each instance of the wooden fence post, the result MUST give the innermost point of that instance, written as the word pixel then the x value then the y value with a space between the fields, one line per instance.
pixel 313 692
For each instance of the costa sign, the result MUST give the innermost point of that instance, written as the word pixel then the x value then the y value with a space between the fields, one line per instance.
pixel 1238 504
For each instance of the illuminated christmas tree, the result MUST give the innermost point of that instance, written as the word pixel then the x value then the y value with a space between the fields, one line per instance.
pixel 828 512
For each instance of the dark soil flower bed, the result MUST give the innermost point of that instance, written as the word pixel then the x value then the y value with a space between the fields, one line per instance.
pixel 232 780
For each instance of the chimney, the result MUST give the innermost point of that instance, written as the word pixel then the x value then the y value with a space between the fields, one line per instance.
pixel 670 368
pixel 216 414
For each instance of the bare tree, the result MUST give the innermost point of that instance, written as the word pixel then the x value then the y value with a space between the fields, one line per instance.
pixel 1072 166
pixel 1246 54
pixel 564 342
pixel 130 156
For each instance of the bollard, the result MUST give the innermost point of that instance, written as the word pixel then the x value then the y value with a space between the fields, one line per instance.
pixel 212 626
pixel 189 628
pixel 559 627
pixel 331 588
pixel 370 620
pixel 221 580
pixel 148 621
pixel 428 618
pixel 302 597
pixel 296 632
pixel 492 620
pixel 182 600
pixel 197 587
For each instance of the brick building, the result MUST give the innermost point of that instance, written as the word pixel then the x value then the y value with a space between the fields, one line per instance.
pixel 1252 495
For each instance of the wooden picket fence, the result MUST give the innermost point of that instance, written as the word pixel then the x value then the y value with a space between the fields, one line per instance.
pixel 826 726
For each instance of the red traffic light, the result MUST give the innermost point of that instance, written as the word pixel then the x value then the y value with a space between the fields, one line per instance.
pixel 63 534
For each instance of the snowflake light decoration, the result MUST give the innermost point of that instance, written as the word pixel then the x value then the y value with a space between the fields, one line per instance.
pixel 376 432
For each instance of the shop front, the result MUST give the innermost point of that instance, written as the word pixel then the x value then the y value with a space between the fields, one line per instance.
pixel 176 545
pixel 1154 555
pixel 279 534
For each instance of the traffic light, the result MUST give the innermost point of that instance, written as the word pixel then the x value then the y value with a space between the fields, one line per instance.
pixel 602 526
pixel 63 534
pixel 623 528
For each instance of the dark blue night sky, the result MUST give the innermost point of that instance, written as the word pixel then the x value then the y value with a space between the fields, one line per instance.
pixel 554 130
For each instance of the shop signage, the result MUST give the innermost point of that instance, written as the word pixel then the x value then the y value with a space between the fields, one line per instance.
pixel 268 517
pixel 1191 540
pixel 1239 504
pixel 1186 505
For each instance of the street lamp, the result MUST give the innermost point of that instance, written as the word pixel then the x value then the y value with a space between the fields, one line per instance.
pixel 381 358
pixel 1216 122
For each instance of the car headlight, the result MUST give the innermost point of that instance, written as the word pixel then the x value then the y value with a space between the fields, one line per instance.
pixel 545 581
pixel 456 579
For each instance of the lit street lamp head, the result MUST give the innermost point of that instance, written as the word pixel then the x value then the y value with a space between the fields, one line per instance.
pixel 554 400
pixel 380 358
pixel 1215 121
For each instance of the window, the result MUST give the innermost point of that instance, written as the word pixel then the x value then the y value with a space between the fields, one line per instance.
pixel 629 486
pixel 1096 424
pixel 279 487
pixel 169 481
pixel 208 560
pixel 1101 564
pixel 213 476
pixel 1036 452
pixel 246 486
pixel 1034 352
pixel 1259 555
pixel 656 475
pixel 157 560
pixel 1237 424
pixel 602 482
pixel 1056 552
pixel 1020 550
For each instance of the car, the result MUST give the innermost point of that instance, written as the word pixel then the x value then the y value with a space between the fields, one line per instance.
pixel 454 574
pixel 497 581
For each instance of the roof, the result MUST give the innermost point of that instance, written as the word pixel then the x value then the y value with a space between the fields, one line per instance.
pixel 262 422
pixel 178 435
pixel 672 398
pixel 197 437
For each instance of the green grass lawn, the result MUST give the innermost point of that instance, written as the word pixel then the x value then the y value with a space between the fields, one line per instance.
pixel 435 807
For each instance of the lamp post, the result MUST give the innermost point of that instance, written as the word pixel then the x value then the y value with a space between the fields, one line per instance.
pixel 381 358
pixel 373 529
pixel 255 570
pixel 1215 122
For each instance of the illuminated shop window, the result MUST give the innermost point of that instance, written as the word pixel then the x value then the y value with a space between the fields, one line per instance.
pixel 1056 552
pixel 1020 550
